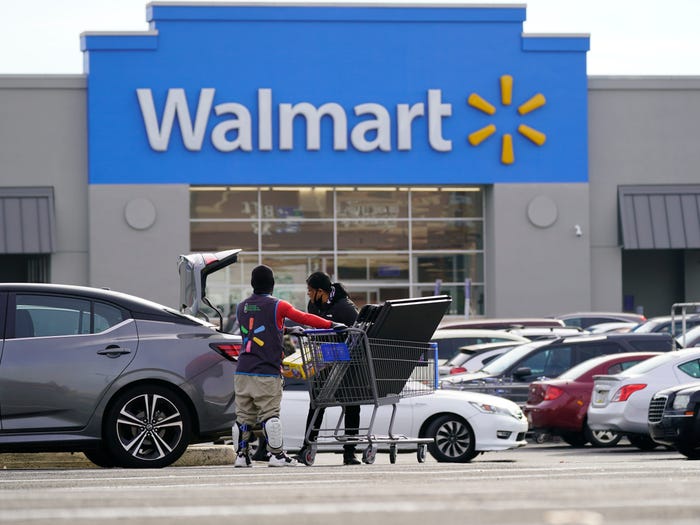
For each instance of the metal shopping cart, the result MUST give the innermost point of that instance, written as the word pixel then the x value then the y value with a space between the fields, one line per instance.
pixel 349 368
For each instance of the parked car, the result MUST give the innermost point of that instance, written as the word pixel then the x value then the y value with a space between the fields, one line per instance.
pixel 127 381
pixel 449 341
pixel 586 319
pixel 500 323
pixel 534 333
pixel 621 402
pixel 663 324
pixel 462 424
pixel 560 406
pixel 479 355
pixel 471 358
pixel 510 375
pixel 619 327
pixel 690 339
pixel 674 418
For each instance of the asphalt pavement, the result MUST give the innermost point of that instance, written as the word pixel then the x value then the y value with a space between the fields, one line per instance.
pixel 194 456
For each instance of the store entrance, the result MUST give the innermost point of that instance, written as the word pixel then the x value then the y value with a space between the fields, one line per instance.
pixel 24 268
pixel 653 280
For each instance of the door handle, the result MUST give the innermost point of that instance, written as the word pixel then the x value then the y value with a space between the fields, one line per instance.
pixel 114 351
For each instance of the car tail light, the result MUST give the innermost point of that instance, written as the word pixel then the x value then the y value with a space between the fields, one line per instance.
pixel 457 370
pixel 228 350
pixel 552 392
pixel 626 391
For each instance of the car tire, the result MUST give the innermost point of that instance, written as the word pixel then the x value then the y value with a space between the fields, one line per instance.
pixel 690 452
pixel 642 442
pixel 147 426
pixel 575 439
pixel 100 457
pixel 453 440
pixel 601 438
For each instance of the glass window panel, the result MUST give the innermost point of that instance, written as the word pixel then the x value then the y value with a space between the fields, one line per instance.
pixel 450 268
pixel 55 315
pixel 373 235
pixel 372 204
pixel 307 203
pixel 106 316
pixel 297 235
pixel 217 236
pixel 352 268
pixel 387 294
pixel 223 203
pixel 389 268
pixel 446 203
pixel 447 235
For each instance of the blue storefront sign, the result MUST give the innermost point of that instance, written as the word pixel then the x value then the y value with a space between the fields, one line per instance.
pixel 250 95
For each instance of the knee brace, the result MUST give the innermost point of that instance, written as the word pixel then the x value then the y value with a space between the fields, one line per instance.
pixel 241 435
pixel 273 433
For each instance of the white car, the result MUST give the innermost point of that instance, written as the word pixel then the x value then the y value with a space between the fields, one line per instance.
pixel 620 402
pixel 450 340
pixel 462 424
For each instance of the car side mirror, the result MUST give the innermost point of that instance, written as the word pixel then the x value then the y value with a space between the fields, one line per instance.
pixel 522 372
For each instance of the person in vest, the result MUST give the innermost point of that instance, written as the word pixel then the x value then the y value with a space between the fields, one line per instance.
pixel 331 301
pixel 258 383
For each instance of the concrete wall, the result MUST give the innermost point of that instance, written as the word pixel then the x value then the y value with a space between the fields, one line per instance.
pixel 43 142
pixel 640 131
pixel 136 234
pixel 536 264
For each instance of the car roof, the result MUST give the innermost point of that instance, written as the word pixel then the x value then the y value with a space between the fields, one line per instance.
pixel 130 302
pixel 469 332
pixel 500 323
pixel 483 347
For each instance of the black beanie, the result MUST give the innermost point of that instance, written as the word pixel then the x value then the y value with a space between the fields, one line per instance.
pixel 319 281
pixel 262 279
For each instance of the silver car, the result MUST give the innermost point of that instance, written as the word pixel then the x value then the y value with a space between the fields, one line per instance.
pixel 129 382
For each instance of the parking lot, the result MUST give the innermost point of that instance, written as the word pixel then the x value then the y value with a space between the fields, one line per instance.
pixel 549 484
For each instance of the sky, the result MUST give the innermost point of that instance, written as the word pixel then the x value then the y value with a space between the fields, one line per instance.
pixel 628 37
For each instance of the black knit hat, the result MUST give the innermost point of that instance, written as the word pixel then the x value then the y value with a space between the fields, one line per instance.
pixel 262 279
pixel 319 281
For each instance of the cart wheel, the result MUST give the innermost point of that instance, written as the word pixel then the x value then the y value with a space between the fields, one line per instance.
pixel 392 453
pixel 422 452
pixel 369 454
pixel 308 456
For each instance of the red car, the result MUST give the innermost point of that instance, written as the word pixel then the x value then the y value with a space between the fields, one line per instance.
pixel 559 406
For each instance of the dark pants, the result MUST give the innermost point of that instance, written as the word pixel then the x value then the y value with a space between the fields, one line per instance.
pixel 352 424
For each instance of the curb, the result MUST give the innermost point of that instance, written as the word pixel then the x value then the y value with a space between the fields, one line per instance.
pixel 194 456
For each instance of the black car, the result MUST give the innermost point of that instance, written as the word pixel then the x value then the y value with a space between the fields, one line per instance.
pixel 510 375
pixel 674 418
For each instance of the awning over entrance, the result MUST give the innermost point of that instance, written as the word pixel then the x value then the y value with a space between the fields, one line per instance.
pixel 663 217
pixel 27 220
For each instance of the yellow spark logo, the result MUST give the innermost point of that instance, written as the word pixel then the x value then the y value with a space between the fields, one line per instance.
pixel 480 135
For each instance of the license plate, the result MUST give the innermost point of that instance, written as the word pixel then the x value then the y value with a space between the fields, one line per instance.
pixel 600 397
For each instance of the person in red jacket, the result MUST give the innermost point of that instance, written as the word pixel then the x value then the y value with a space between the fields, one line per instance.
pixel 258 383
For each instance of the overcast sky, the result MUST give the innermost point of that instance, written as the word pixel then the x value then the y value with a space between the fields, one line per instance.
pixel 628 37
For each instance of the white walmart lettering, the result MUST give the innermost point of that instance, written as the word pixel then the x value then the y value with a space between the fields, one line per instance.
pixel 372 133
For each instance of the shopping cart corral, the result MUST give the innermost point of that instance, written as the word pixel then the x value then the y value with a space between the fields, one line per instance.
pixel 351 367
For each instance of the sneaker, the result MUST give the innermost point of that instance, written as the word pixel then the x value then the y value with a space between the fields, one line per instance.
pixel 281 460
pixel 349 458
pixel 242 460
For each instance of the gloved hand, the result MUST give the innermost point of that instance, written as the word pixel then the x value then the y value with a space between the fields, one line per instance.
pixel 294 330
pixel 339 327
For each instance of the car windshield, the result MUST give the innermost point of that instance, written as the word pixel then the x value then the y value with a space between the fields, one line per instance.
pixel 505 361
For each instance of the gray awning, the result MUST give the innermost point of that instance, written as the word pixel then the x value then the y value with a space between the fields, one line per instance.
pixel 665 217
pixel 27 220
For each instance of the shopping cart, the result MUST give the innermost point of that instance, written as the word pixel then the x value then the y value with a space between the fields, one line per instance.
pixel 349 368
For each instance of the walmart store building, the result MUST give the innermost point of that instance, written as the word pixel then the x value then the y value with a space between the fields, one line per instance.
pixel 404 150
